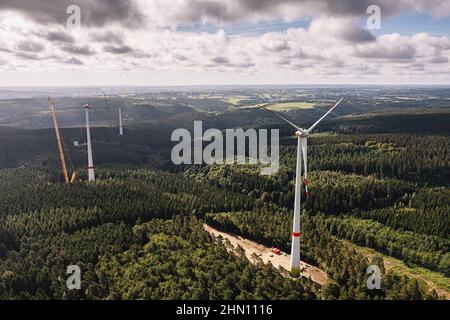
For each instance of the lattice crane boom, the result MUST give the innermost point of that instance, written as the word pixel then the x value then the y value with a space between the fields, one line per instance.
pixel 60 144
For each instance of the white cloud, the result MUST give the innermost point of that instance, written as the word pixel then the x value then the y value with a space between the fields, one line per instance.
pixel 332 49
pixel 220 12
pixel 340 29
pixel 390 47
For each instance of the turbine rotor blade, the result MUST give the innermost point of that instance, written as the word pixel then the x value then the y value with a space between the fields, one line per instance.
pixel 285 120
pixel 305 162
pixel 323 117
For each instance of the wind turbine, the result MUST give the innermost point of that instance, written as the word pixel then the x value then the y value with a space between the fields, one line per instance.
pixel 120 123
pixel 302 148
pixel 91 172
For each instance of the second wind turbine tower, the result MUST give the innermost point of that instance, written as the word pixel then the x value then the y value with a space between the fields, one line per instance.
pixel 120 123
pixel 91 172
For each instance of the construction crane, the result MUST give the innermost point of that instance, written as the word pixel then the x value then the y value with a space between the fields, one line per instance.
pixel 60 145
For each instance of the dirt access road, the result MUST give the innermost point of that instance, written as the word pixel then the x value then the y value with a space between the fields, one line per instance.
pixel 250 247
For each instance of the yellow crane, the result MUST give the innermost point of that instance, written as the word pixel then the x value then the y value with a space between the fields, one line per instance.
pixel 60 145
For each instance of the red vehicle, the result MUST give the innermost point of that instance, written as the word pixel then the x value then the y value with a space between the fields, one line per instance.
pixel 276 251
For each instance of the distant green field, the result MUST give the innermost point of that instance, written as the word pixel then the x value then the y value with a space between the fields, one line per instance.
pixel 285 106
pixel 236 100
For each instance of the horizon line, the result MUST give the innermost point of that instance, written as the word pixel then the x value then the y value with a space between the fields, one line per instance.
pixel 227 85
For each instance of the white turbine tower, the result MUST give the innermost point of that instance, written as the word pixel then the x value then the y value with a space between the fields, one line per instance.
pixel 91 172
pixel 302 148
pixel 120 123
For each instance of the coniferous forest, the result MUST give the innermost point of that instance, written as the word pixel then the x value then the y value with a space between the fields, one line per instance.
pixel 379 194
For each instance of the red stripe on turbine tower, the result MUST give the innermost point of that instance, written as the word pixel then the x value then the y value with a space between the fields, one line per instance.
pixel 296 234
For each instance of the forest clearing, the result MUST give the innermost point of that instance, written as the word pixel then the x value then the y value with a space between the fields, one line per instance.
pixel 252 248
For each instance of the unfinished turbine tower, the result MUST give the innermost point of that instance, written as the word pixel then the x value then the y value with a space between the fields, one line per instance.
pixel 302 148
pixel 91 172
pixel 120 123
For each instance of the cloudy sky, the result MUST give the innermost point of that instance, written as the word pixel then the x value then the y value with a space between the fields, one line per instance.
pixel 193 42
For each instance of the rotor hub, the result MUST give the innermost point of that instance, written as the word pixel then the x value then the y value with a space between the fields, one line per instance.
pixel 303 134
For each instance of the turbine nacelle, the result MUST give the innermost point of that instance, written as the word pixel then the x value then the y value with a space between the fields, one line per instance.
pixel 302 133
